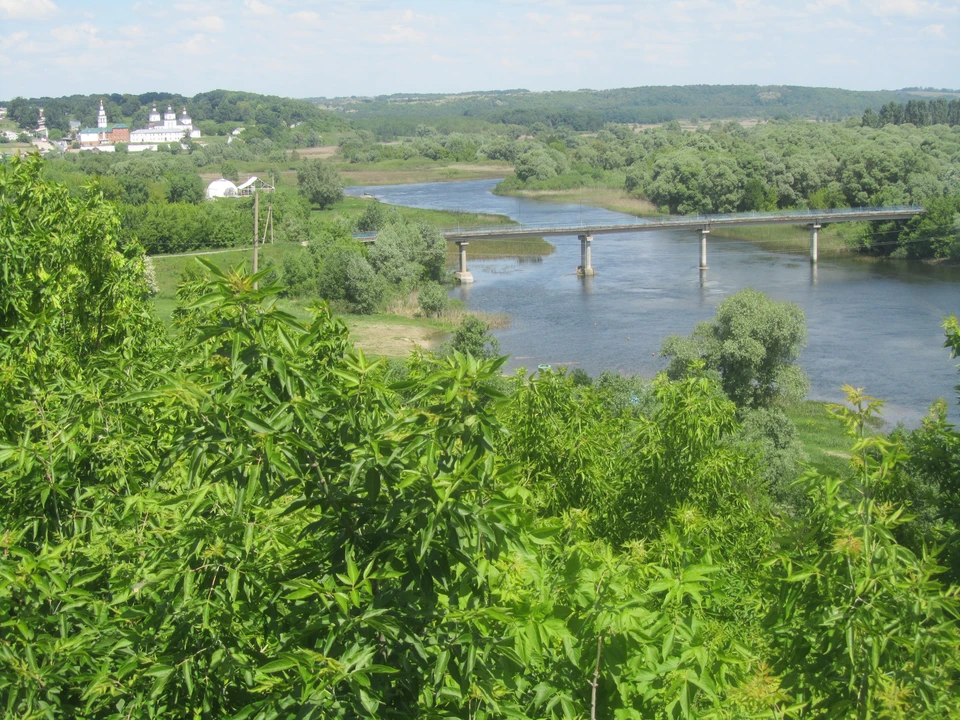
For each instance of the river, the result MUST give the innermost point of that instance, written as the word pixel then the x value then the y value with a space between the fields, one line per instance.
pixel 872 324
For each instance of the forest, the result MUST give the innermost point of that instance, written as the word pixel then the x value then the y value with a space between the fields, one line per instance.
pixel 589 110
pixel 245 516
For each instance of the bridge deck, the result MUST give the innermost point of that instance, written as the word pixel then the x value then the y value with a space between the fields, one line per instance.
pixel 685 222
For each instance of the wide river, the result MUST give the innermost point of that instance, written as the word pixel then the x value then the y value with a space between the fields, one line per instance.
pixel 875 325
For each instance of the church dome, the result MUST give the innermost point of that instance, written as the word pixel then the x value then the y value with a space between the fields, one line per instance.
pixel 154 114
pixel 184 118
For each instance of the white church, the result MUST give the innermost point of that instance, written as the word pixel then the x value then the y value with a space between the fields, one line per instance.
pixel 169 129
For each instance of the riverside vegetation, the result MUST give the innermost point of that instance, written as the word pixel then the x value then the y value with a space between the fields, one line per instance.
pixel 246 518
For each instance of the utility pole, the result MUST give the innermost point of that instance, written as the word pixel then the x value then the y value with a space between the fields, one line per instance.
pixel 256 234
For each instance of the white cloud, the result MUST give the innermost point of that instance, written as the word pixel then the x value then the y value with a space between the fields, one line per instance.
pixel 936 30
pixel 400 34
pixel 538 18
pixel 255 7
pixel 306 16
pixel 206 24
pixel 910 8
pixel 26 9
pixel 197 44
pixel 85 34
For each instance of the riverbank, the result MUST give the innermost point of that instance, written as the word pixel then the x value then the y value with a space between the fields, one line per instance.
pixel 836 239
pixel 617 200
pixel 393 333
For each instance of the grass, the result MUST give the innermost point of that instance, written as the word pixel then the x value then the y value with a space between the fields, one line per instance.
pixel 824 437
pixel 834 239
pixel 419 170
pixel 170 268
pixel 609 198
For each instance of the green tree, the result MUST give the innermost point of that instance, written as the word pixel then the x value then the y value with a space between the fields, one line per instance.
pixel 432 299
pixel 752 345
pixel 185 188
pixel 319 183
pixel 473 337
pixel 229 171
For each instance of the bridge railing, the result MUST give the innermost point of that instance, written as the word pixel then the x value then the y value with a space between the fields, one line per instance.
pixel 810 215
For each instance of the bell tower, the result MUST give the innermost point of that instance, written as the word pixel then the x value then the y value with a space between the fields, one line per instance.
pixel 102 117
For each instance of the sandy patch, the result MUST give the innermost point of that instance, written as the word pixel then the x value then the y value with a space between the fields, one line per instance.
pixel 394 340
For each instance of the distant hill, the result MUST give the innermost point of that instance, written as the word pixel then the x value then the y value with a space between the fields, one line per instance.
pixel 590 109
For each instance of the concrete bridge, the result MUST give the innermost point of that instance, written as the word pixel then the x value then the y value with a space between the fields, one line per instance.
pixel 701 224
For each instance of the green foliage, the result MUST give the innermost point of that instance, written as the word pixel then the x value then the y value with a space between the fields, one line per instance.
pixel 185 188
pixel 752 345
pixel 472 337
pixel 67 273
pixel 781 452
pixel 249 519
pixel 854 600
pixel 319 183
pixel 433 299
pixel 374 217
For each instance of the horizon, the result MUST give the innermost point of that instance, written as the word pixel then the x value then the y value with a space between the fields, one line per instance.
pixel 338 49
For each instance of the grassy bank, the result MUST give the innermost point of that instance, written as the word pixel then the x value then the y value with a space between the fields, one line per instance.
pixel 836 239
pixel 609 198
pixel 419 170
pixel 823 436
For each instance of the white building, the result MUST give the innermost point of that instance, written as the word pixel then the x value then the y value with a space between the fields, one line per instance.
pixel 169 129
pixel 104 133
pixel 222 187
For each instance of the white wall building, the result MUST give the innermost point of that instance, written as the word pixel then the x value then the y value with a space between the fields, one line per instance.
pixel 169 129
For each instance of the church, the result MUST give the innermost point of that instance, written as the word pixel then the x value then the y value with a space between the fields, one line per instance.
pixel 169 129
pixel 104 133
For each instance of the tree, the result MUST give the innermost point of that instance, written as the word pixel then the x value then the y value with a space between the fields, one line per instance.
pixel 432 299
pixel 752 345
pixel 185 188
pixel 473 337
pixel 228 171
pixel 319 183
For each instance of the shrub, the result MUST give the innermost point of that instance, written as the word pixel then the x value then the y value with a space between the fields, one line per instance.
pixel 433 299
pixel 473 337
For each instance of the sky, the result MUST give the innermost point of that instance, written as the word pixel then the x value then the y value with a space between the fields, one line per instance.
pixel 311 48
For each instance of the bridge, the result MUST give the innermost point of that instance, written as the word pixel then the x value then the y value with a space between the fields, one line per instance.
pixel 701 224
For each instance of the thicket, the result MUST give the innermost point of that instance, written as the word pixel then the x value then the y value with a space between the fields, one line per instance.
pixel 249 518
pixel 333 266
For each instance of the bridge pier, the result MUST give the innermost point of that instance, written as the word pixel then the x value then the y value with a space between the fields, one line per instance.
pixel 703 247
pixel 814 242
pixel 586 264
pixel 463 275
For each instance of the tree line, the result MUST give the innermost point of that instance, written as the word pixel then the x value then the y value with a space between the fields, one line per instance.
pixel 590 110
pixel 246 516
pixel 938 111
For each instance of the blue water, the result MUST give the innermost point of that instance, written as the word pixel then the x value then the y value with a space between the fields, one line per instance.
pixel 872 324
